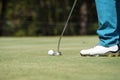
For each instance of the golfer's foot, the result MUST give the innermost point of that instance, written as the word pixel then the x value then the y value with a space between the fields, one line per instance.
pixel 100 50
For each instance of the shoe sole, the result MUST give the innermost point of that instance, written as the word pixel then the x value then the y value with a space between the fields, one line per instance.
pixel 109 54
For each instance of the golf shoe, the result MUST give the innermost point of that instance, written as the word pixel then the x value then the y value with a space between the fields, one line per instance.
pixel 101 51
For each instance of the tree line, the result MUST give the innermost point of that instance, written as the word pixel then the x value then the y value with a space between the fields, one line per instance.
pixel 46 17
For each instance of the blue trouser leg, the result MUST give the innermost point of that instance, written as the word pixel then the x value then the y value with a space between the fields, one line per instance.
pixel 118 17
pixel 108 18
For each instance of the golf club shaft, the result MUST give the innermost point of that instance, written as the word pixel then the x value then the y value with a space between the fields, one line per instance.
pixel 58 48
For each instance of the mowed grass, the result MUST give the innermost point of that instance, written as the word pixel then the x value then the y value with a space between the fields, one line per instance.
pixel 27 59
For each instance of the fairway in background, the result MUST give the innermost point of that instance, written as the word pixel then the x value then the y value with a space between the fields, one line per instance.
pixel 27 59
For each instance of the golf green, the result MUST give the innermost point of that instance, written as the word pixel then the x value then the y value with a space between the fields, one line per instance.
pixel 26 58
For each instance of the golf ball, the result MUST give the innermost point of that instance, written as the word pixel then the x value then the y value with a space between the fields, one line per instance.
pixel 51 52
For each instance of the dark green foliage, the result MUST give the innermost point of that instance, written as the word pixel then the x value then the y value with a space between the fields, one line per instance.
pixel 42 17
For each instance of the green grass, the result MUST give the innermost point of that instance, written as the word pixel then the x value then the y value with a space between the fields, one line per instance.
pixel 27 59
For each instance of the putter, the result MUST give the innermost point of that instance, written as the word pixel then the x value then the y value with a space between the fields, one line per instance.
pixel 59 42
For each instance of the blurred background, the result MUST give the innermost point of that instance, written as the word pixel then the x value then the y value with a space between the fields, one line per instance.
pixel 47 17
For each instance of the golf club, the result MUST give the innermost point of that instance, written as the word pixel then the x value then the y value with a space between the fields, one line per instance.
pixel 59 42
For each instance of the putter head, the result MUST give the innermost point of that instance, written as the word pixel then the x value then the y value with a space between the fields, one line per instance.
pixel 58 53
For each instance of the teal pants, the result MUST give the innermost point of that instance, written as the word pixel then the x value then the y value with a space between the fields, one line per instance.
pixel 109 22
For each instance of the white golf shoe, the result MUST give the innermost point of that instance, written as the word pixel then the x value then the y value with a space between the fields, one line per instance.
pixel 99 50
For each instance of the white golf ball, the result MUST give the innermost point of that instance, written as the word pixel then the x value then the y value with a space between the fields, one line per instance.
pixel 51 52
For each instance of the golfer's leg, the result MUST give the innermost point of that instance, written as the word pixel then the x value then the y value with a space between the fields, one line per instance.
pixel 118 16
pixel 107 17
